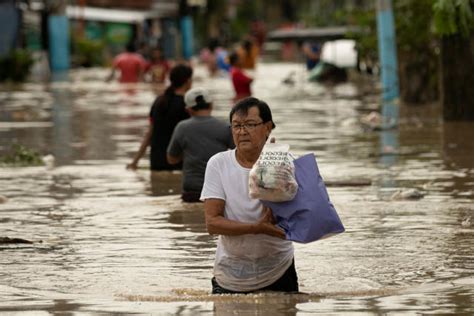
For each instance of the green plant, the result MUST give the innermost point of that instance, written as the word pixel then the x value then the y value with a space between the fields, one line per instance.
pixel 453 16
pixel 88 53
pixel 16 65
pixel 21 156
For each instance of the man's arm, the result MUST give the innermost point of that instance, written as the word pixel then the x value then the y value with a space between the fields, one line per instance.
pixel 111 75
pixel 174 152
pixel 141 151
pixel 217 224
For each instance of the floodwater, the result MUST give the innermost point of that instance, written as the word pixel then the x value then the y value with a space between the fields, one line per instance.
pixel 109 240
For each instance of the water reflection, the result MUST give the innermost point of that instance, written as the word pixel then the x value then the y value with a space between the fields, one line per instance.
pixel 165 182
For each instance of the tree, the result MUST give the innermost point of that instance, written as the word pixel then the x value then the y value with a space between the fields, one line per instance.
pixel 455 23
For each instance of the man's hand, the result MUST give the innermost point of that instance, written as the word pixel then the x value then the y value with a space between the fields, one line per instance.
pixel 132 166
pixel 267 226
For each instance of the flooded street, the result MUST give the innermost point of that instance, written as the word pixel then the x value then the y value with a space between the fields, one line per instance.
pixel 106 239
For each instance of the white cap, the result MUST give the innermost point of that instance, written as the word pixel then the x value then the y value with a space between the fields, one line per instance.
pixel 191 97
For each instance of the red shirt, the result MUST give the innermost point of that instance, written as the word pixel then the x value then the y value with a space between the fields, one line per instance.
pixel 130 65
pixel 241 83
pixel 159 70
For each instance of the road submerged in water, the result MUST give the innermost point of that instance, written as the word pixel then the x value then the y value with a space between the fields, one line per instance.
pixel 109 240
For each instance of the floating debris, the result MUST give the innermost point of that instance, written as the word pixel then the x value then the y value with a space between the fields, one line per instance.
pixel 21 156
pixel 8 240
pixel 407 194
pixel 466 222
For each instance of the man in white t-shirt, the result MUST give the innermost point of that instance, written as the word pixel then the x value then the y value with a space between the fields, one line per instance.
pixel 252 253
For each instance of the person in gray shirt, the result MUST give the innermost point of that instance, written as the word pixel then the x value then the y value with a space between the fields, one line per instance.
pixel 197 139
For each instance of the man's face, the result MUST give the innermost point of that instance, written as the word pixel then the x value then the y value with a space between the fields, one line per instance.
pixel 249 131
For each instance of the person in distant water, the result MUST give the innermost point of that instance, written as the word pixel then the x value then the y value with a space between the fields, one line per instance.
pixel 259 32
pixel 215 58
pixel 248 54
pixel 196 140
pixel 166 112
pixel 222 59
pixel 159 67
pixel 312 53
pixel 130 64
pixel 240 81
pixel 212 57
pixel 252 253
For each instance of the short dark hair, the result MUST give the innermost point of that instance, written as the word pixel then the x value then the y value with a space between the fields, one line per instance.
pixel 201 104
pixel 245 104
pixel 179 74
pixel 233 58
pixel 130 47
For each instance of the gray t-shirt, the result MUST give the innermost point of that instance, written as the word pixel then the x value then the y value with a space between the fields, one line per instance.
pixel 197 139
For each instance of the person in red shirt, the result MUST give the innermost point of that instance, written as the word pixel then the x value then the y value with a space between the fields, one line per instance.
pixel 130 64
pixel 159 67
pixel 240 80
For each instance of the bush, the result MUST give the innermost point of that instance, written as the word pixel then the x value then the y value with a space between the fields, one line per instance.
pixel 88 53
pixel 16 65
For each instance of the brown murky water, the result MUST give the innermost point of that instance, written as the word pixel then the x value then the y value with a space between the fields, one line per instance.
pixel 104 241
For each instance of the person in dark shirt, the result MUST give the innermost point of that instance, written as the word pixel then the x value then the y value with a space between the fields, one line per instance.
pixel 166 112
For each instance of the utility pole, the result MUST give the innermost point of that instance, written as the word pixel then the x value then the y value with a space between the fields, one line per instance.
pixel 58 35
pixel 389 77
pixel 387 50
pixel 186 27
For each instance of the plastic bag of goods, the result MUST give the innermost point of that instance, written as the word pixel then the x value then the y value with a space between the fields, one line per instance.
pixel 272 177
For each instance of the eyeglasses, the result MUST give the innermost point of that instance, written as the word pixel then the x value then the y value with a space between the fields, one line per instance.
pixel 246 126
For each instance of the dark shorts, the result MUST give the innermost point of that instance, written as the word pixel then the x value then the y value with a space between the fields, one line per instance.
pixel 288 282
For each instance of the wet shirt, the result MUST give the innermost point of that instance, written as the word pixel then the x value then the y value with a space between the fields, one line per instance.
pixel 158 70
pixel 164 119
pixel 241 83
pixel 130 65
pixel 245 262
pixel 196 140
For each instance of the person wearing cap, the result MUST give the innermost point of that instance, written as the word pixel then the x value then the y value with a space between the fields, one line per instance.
pixel 252 253
pixel 195 140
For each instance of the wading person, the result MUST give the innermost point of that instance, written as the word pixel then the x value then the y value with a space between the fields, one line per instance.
pixel 130 64
pixel 196 140
pixel 166 112
pixel 240 81
pixel 252 254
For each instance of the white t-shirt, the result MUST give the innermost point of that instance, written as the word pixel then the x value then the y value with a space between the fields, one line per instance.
pixel 246 262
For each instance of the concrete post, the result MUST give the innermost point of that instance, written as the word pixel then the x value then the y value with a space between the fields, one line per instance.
pixel 186 27
pixel 58 31
pixel 387 50
pixel 389 77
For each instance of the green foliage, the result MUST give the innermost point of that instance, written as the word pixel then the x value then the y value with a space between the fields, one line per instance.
pixel 21 156
pixel 246 12
pixel 413 23
pixel 453 16
pixel 16 65
pixel 87 52
pixel 366 39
